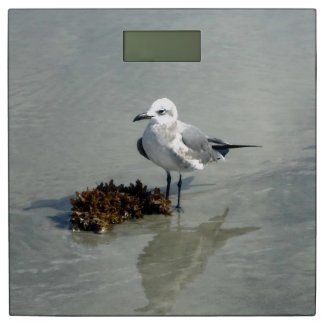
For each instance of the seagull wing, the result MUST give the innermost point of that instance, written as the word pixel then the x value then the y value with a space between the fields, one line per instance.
pixel 197 142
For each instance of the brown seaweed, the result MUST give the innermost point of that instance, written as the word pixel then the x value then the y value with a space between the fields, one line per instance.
pixel 107 204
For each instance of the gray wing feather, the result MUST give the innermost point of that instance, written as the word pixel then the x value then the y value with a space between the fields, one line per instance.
pixel 195 140
pixel 141 149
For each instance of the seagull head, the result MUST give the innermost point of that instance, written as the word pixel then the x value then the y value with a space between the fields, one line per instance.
pixel 162 111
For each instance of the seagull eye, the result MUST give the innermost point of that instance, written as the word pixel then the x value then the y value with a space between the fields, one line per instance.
pixel 161 111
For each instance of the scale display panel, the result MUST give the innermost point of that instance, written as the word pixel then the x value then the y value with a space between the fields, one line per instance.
pixel 162 46
pixel 170 98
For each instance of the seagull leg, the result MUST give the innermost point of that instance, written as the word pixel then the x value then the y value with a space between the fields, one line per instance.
pixel 169 178
pixel 179 185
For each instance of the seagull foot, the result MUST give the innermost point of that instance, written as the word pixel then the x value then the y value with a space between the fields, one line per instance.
pixel 179 209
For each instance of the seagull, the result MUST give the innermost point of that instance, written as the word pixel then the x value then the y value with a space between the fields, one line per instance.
pixel 177 146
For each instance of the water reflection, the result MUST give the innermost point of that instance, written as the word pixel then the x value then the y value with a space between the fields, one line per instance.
pixel 176 256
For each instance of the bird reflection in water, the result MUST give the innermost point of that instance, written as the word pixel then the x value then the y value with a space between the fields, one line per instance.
pixel 175 257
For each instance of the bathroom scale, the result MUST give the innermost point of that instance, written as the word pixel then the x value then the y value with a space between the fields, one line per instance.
pixel 244 241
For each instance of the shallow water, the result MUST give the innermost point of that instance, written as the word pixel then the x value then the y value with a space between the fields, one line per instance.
pixel 245 243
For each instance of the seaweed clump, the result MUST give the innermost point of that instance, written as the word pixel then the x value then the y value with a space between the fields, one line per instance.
pixel 107 204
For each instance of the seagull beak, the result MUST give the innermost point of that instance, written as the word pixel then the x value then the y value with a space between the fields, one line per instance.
pixel 142 116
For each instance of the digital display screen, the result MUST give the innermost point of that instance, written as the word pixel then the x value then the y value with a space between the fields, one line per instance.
pixel 162 46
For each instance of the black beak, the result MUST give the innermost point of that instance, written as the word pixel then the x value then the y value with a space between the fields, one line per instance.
pixel 142 116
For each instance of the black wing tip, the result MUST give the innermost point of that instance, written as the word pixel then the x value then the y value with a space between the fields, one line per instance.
pixel 234 146
pixel 246 146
